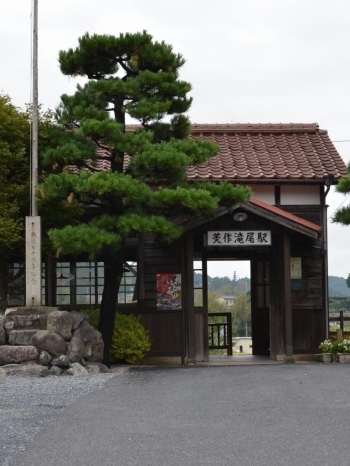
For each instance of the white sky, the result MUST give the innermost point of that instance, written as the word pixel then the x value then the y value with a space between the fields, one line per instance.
pixel 251 61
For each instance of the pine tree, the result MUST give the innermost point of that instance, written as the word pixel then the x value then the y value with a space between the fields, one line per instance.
pixel 342 215
pixel 348 281
pixel 143 181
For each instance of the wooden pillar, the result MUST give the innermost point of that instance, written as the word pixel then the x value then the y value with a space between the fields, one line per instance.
pixel 141 273
pixel 50 282
pixel 189 328
pixel 287 296
pixel 277 336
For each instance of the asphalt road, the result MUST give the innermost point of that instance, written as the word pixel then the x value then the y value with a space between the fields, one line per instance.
pixel 263 415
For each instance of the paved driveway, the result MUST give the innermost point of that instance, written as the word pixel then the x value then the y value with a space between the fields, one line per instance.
pixel 264 415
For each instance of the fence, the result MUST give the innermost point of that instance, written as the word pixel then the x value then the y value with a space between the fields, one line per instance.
pixel 220 331
pixel 339 320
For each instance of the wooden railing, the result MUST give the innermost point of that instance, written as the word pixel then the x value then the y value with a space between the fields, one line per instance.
pixel 220 331
pixel 342 317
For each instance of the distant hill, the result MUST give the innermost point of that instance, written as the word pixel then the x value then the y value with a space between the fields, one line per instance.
pixel 337 286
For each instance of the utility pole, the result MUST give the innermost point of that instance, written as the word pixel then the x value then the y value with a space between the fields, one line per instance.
pixel 33 223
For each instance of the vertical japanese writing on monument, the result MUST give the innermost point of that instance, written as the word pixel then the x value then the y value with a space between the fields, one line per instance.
pixel 239 238
pixel 33 255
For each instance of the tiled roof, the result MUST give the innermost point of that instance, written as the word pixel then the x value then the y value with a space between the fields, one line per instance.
pixel 259 152
pixel 286 215
pixel 262 209
pixel 268 151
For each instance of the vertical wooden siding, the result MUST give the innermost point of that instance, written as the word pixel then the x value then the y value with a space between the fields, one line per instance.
pixel 165 327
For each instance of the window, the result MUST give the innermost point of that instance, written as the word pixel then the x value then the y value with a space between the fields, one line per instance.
pixel 198 283
pixel 16 288
pixel 79 282
pixel 128 285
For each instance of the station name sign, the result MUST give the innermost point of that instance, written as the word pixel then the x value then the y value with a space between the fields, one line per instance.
pixel 239 238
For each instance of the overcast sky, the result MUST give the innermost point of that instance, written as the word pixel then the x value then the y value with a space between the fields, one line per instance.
pixel 254 61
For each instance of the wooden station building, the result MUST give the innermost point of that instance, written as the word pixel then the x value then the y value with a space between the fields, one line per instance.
pixel 282 231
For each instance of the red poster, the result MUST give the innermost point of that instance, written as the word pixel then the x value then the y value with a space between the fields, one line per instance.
pixel 169 291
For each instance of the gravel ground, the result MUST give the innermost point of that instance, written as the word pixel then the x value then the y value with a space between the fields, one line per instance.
pixel 27 404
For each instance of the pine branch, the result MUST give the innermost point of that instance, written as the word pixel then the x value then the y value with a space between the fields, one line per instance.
pixel 127 70
pixel 98 144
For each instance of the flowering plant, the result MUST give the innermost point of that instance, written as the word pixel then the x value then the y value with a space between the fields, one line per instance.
pixel 335 346
pixel 327 346
pixel 344 346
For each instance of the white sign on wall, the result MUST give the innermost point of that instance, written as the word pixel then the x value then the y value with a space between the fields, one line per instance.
pixel 239 238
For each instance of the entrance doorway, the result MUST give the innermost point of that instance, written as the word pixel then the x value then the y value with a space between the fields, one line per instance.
pixel 232 304
pixel 229 307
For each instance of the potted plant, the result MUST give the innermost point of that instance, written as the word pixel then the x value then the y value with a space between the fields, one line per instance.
pixel 327 351
pixel 343 350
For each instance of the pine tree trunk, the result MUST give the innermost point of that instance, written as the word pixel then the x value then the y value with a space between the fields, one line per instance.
pixel 113 275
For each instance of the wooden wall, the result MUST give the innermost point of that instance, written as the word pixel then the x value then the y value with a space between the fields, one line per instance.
pixel 308 302
pixel 165 327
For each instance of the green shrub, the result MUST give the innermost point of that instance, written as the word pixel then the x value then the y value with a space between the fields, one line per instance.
pixel 94 316
pixel 130 340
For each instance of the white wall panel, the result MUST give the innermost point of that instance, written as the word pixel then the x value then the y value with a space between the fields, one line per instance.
pixel 300 195
pixel 264 193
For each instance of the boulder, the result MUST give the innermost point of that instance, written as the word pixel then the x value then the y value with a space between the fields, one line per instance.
pixel 77 370
pixel 44 358
pixel 76 349
pixel 77 318
pixel 29 310
pixel 9 326
pixel 55 370
pixel 85 332
pixel 60 322
pixel 88 350
pixel 22 322
pixel 61 361
pixel 17 354
pixel 2 373
pixel 26 370
pixel 43 321
pixel 49 341
pixel 91 368
pixel 97 346
pixel 2 331
pixel 21 337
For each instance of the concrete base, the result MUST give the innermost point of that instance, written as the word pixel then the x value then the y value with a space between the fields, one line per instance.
pixel 344 358
pixel 280 357
pixel 235 360
pixel 297 358
pixel 305 357
pixel 289 360
pixel 162 361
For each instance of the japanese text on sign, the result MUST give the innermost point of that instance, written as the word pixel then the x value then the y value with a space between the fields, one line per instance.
pixel 169 291
pixel 239 238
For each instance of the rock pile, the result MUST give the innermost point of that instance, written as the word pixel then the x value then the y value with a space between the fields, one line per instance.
pixel 40 341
